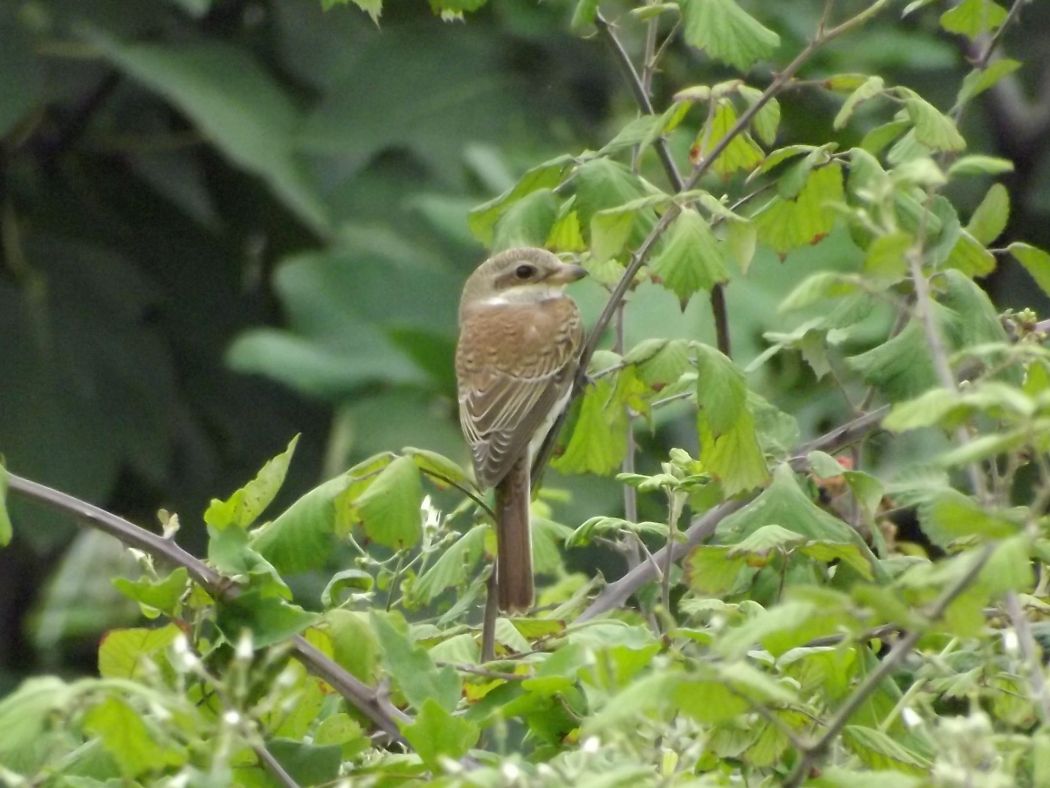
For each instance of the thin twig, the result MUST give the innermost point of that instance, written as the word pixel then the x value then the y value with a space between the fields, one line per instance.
pixel 465 490
pixel 616 594
pixel 273 766
pixel 813 754
pixel 356 692
pixel 1031 655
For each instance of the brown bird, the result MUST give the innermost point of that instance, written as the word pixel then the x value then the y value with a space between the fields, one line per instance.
pixel 519 343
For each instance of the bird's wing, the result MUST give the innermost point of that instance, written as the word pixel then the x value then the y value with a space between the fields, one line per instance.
pixel 513 364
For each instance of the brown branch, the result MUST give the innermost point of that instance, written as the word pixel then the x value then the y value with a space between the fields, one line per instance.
pixel 366 699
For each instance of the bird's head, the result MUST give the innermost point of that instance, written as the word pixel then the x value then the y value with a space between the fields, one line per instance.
pixel 524 275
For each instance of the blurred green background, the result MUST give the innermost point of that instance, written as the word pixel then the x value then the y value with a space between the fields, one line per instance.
pixel 224 222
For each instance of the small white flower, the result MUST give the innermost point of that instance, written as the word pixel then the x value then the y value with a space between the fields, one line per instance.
pixel 232 717
pixel 244 646
pixel 911 717
pixel 511 772
pixel 1010 642
pixel 591 745
pixel 180 645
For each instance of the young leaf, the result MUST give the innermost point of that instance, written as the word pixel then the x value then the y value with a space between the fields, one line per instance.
pixel 452 567
pixel 527 222
pixel 303 535
pixel 729 444
pixel 389 510
pixel 767 119
pixel 690 259
pixel 990 217
pixel 243 507
pixel 932 128
pixel 742 153
pixel 411 667
pixel 1035 261
pixel 482 220
pixel 436 734
pixel 980 79
pixel 127 739
pixel 727 33
pixel 868 89
pixel 786 224
pixel 354 579
pixel 155 596
pixel 710 570
pixel 599 437
pixel 973 18
pixel 980 165
pixel 269 619
pixel 122 651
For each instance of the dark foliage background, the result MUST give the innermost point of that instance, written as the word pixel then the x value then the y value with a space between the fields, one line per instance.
pixel 225 222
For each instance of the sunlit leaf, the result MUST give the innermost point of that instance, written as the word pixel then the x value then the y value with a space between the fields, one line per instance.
pixel 690 259
pixel 243 507
pixel 727 33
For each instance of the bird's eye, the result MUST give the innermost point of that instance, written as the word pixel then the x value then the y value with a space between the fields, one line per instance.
pixel 524 271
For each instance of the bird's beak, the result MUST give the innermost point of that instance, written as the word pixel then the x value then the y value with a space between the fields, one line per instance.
pixel 566 273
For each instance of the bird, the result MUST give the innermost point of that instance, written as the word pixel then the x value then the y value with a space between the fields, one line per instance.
pixel 517 353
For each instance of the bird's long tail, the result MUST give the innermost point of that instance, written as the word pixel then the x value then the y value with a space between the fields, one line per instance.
pixel 513 540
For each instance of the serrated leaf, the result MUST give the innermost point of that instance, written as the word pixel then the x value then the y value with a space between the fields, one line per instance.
pixel 761 542
pixel 122 651
pixel 991 215
pixel 483 218
pixel 980 79
pixel 269 619
pixel 901 367
pixel 160 596
pixel 526 222
pixel 767 119
pixel 742 153
pixel 932 128
pixel 950 515
pixel 973 18
pixel 868 89
pixel 566 235
pixel 885 258
pixel 352 642
pixel 412 668
pixel 436 466
pixel 452 566
pixel 786 224
pixel 127 739
pixel 820 286
pixel 353 579
pixel 389 510
pixel 711 571
pixel 243 507
pixel 877 750
pixel 303 535
pixel 1035 261
pixel 599 437
pixel 690 259
pixel 599 526
pixel 970 256
pixel 727 33
pixel 435 734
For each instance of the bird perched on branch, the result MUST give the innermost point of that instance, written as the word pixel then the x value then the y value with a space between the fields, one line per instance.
pixel 519 343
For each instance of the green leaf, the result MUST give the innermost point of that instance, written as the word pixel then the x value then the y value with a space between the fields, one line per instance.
pixel 742 152
pixel 877 750
pixel 1035 261
pixel 835 777
pixel 482 219
pixel 900 367
pixel 765 540
pixel 453 566
pixel 932 128
pixel 583 16
pixel 767 119
pixel 973 18
pixel 779 629
pixel 820 286
pixel 122 651
pixel 970 256
pixel 690 259
pixel 374 8
pixel 651 692
pixel 354 643
pixel 437 467
pixel 727 33
pixel 786 224
pixel 598 441
pixel 436 734
pixel 269 619
pixel 980 165
pixel 245 505
pixel 950 515
pixel 660 362
pixel 885 258
pixel 980 79
pixel 990 217
pixel 354 579
pixel 412 668
pixel 6 530
pixel 27 716
pixel 307 764
pixel 157 596
pixel 784 504
pixel 237 106
pixel 710 570
pixel 526 222
pixel 303 536
pixel 729 446
pixel 615 526
pixel 868 89
pixel 126 737
pixel 389 510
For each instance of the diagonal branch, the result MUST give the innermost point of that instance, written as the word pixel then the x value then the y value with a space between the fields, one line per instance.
pixel 366 699
pixel 616 594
